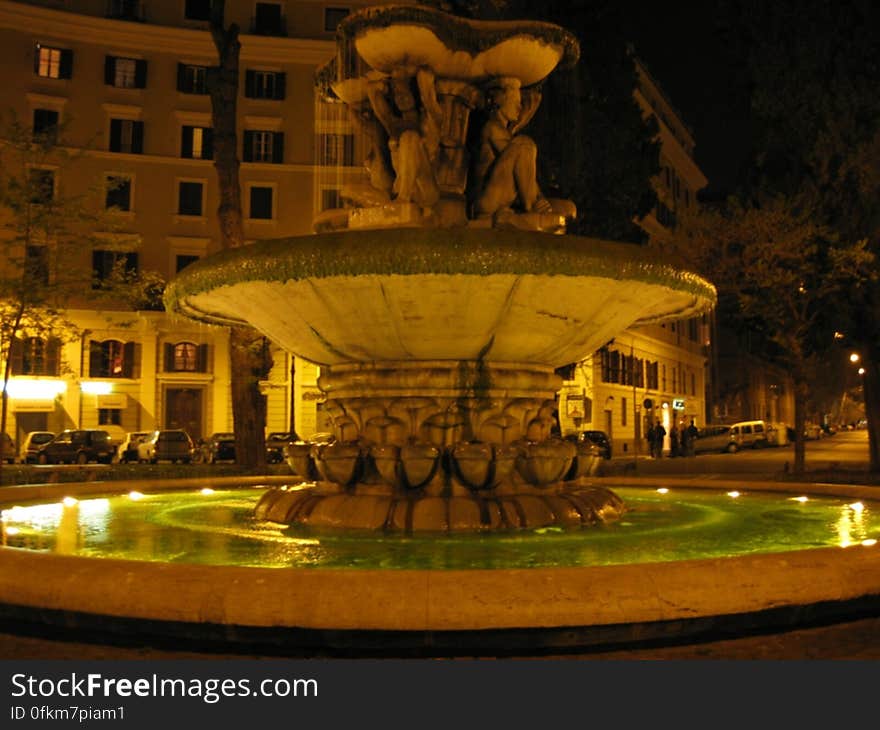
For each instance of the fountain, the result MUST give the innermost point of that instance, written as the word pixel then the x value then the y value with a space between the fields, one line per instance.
pixel 438 302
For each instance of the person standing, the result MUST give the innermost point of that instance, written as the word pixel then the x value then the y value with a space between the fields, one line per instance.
pixel 673 441
pixel 692 434
pixel 659 435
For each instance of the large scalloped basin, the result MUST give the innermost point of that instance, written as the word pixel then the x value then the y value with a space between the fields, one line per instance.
pixel 438 294
pixel 394 36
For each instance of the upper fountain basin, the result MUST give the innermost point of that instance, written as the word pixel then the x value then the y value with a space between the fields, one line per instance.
pixel 438 294
pixel 406 36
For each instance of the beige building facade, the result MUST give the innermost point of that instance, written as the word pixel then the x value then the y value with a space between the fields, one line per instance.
pixel 126 81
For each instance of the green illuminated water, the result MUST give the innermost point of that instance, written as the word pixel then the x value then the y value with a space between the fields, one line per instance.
pixel 218 528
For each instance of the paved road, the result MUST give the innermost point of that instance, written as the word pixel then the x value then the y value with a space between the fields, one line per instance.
pixel 843 452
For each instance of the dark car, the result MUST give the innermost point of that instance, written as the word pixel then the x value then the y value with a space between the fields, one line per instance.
pixel 77 447
pixel 276 442
pixel 599 439
pixel 217 447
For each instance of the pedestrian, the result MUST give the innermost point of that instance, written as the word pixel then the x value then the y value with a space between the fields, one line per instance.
pixel 651 436
pixel 692 433
pixel 659 435
pixel 673 441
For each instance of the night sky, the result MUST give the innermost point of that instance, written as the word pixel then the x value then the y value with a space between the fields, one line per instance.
pixel 679 43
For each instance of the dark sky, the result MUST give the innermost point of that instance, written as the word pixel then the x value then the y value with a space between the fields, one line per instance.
pixel 679 43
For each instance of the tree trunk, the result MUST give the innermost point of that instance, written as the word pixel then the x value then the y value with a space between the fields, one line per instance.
pixel 248 352
pixel 801 392
pixel 871 390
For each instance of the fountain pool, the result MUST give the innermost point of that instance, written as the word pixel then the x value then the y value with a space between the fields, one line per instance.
pixel 188 560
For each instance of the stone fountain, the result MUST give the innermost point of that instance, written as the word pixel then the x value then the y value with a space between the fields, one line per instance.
pixel 438 300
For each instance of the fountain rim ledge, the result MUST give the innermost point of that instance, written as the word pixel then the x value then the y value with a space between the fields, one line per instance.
pixel 431 600
pixel 431 251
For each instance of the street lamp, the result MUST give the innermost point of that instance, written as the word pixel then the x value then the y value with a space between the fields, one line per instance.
pixel 854 357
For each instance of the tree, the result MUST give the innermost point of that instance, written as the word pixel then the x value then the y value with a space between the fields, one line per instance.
pixel 784 272
pixel 46 237
pixel 595 146
pixel 250 359
pixel 812 71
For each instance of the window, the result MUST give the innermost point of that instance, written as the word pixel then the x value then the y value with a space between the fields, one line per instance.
pixel 53 63
pixel 197 10
pixel 263 146
pixel 126 135
pixel 264 84
pixel 333 17
pixel 112 359
pixel 261 202
pixel 112 265
pixel 182 260
pixel 109 417
pixel 186 357
pixel 652 380
pixel 125 73
pixel 197 143
pixel 118 192
pixel 336 149
pixel 189 198
pixel 35 356
pixel 192 79
pixel 623 411
pixel 46 124
pixel 36 265
pixel 42 185
pixel 125 10
pixel 268 20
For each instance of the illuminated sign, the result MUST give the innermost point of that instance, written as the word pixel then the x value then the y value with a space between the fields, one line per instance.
pixel 678 404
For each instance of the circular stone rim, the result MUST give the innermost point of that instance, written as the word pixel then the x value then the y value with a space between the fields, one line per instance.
pixel 424 600
pixel 411 251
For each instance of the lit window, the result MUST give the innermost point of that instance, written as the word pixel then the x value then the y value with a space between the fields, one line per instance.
pixel 53 63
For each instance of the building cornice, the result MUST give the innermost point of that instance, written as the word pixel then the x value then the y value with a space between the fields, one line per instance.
pixel 146 37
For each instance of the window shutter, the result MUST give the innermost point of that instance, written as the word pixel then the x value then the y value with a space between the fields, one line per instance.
pixel 36 58
pixel 208 143
pixel 53 357
pixel 248 149
pixel 181 77
pixel 278 147
pixel 128 360
pixel 280 84
pixel 250 84
pixel 96 359
pixel 169 357
pixel 65 70
pixel 16 356
pixel 202 359
pixel 140 74
pixel 109 70
pixel 137 137
pixel 115 135
pixel 186 141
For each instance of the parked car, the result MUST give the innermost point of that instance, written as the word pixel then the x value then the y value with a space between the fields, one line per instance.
pixel 7 448
pixel 78 446
pixel 217 447
pixel 32 443
pixel 712 438
pixel 127 451
pixel 168 445
pixel 748 434
pixel 276 442
pixel 598 439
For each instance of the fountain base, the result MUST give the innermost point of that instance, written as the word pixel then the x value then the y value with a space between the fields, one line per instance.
pixel 326 506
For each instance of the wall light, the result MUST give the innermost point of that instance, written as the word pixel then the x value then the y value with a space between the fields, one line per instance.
pixel 33 389
pixel 96 387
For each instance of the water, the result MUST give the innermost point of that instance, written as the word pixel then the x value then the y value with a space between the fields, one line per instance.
pixel 217 528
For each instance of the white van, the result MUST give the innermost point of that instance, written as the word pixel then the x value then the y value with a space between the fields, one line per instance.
pixel 748 434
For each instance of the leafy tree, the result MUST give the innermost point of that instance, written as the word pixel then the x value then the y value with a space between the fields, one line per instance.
pixel 46 237
pixel 813 71
pixel 250 358
pixel 783 271
pixel 594 144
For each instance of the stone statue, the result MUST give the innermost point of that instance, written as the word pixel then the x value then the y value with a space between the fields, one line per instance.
pixel 413 133
pixel 506 165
